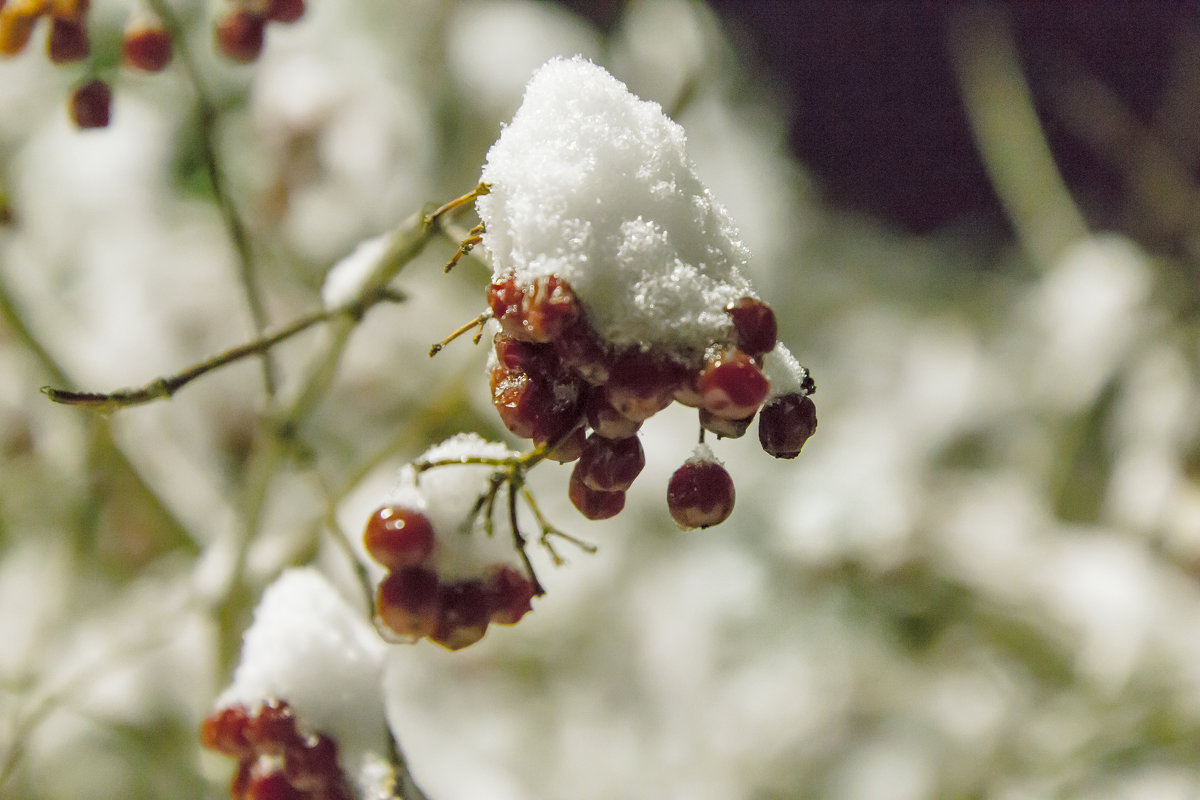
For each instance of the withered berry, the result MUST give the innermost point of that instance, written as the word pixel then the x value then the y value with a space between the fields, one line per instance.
pixel 785 423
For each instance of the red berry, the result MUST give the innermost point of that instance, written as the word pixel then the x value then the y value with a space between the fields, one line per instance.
pixel 146 48
pixel 591 503
pixel 91 104
pixel 509 595
pixel 398 537
pixel 642 382
pixel 536 405
pixel 733 386
pixel 464 616
pixel 610 465
pixel 272 729
pixel 240 35
pixel 700 494
pixel 407 602
pixel 725 428
pixel 605 420
pixel 68 41
pixel 537 312
pixel 285 10
pixel 313 765
pixel 570 448
pixel 272 786
pixel 225 731
pixel 581 351
pixel 239 785
pixel 785 424
pixel 754 322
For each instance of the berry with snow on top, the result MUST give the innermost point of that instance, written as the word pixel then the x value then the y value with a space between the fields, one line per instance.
pixel 303 715
pixel 449 575
pixel 754 322
pixel 700 493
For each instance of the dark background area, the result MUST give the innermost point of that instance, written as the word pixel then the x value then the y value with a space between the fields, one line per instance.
pixel 875 108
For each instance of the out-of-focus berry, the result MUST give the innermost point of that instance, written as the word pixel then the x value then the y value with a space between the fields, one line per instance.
pixel 510 595
pixel 239 35
pixel 146 47
pixel 68 41
pixel 91 105
pixel 463 614
pixel 398 537
pixel 407 602
pixel 285 11
pixel 785 424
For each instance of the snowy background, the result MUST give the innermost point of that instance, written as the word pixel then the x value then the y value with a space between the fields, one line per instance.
pixel 980 579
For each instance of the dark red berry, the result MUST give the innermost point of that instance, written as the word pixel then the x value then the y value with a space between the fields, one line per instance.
pixel 509 595
pixel 407 602
pixel 580 350
pixel 224 730
pixel 91 105
pixel 610 465
pixel 700 494
pixel 569 448
pixel 313 765
pixel 754 323
pixel 591 503
pixel 146 48
pixel 272 786
pixel 68 41
pixel 725 428
pixel 239 35
pixel 537 406
pixel 285 10
pixel 465 614
pixel 605 420
pixel 733 386
pixel 538 311
pixel 643 382
pixel 272 729
pixel 785 423
pixel 398 537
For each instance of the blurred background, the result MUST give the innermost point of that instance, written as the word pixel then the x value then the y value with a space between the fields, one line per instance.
pixel 979 226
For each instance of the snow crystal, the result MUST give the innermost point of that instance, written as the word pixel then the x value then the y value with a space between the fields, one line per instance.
pixel 309 647
pixel 448 495
pixel 592 184
pixel 784 372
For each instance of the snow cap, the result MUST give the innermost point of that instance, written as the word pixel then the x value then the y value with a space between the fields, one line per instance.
pixel 594 185
pixel 784 372
pixel 309 647
pixel 449 496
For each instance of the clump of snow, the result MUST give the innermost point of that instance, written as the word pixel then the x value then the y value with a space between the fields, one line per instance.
pixel 345 280
pixel 784 372
pixel 594 185
pixel 449 496
pixel 308 646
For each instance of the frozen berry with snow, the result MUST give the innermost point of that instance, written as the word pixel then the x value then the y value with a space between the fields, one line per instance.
pixel 240 34
pixel 700 493
pixel 732 386
pixel 539 310
pixel 593 503
pixel 610 465
pixel 754 323
pixel 91 105
pixel 786 423
pixel 398 537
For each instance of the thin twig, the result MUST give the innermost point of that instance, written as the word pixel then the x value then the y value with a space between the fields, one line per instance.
pixel 478 322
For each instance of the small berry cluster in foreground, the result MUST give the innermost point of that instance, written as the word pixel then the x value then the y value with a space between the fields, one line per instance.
pixel 556 382
pixel 276 760
pixel 146 42
pixel 413 601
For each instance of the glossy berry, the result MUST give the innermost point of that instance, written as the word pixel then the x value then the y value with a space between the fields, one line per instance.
pixel 398 537
pixel 285 11
pixel 407 602
pixel 147 48
pixel 591 503
pixel 700 494
pixel 91 105
pixel 68 41
pixel 509 595
pixel 725 428
pixel 754 323
pixel 536 312
pixel 536 405
pixel 786 423
pixel 610 465
pixel 733 386
pixel 463 614
pixel 239 35
pixel 642 382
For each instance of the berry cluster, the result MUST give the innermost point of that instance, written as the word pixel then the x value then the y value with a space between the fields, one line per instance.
pixel 146 43
pixel 555 381
pixel 276 760
pixel 414 601
pixel 241 31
